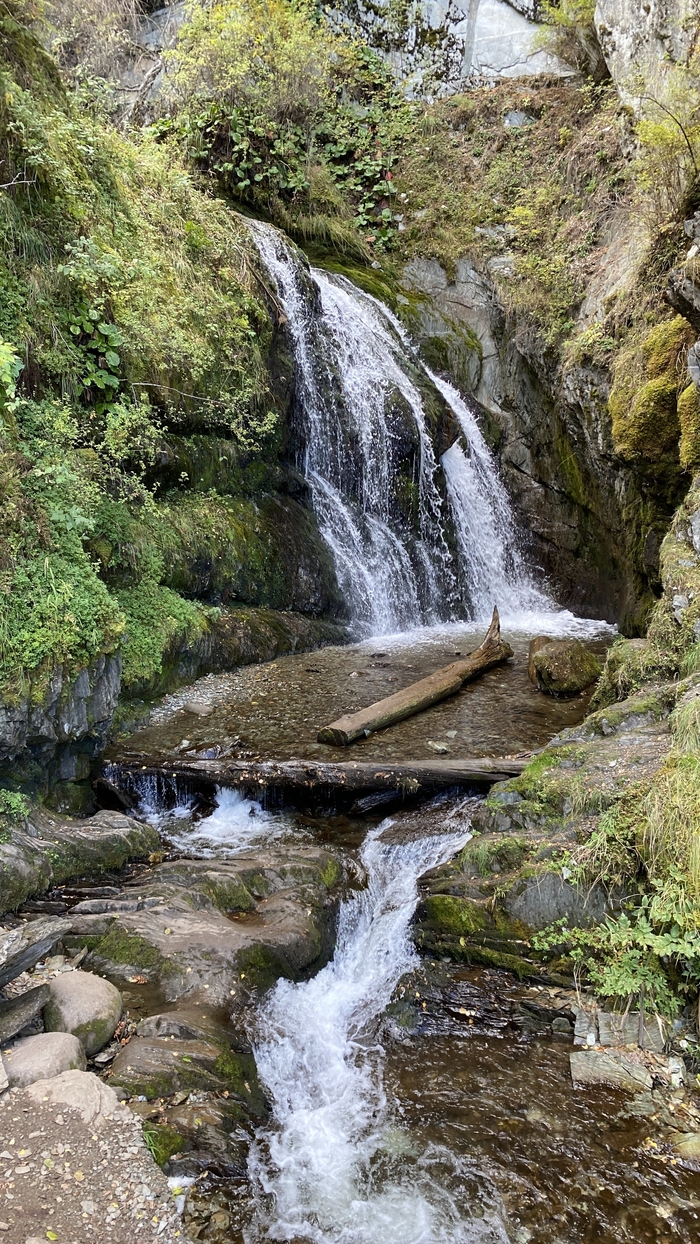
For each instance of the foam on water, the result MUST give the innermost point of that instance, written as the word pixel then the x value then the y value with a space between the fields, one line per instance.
pixel 236 825
pixel 334 1166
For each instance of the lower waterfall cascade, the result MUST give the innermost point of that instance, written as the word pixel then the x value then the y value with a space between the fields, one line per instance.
pixel 460 555
pixel 335 1165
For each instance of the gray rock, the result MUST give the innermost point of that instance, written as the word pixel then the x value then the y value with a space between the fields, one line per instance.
pixel 611 1067
pixel 71 710
pixel 17 1012
pixel 51 849
pixel 624 1030
pixel 585 1027
pixel 95 1101
pixel 192 941
pixel 643 41
pixel 43 1057
pixel 517 119
pixel 21 948
pixel 86 1006
pixel 545 898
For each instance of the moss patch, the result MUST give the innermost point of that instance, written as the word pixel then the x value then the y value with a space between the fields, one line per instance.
pixel 162 1142
pixel 689 419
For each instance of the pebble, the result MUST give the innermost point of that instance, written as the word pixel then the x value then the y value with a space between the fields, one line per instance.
pixel 75 1185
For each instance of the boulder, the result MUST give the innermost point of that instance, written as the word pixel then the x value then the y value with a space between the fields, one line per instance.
pixel 43 1057
pixel 536 644
pixel 86 1005
pixel 51 849
pixel 81 1090
pixel 17 1012
pixel 162 1066
pixel 563 667
pixel 617 1029
pixel 22 947
pixel 614 1067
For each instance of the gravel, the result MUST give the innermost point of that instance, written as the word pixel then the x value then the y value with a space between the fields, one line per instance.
pixel 79 1180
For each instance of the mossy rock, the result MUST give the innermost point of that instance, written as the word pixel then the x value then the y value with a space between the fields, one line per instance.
pixel 644 400
pixel 689 419
pixel 162 1142
pixel 565 667
pixel 650 427
pixel 663 345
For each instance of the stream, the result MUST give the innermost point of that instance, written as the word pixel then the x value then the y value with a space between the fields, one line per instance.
pixel 466 1130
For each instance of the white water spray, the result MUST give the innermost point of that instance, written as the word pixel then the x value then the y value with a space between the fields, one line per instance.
pixel 384 504
pixel 327 1162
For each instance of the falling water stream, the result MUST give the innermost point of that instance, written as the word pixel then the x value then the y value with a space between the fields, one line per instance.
pixel 357 1151
pixel 335 1163
pixel 361 404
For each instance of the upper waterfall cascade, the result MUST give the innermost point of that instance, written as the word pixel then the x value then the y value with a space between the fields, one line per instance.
pixel 416 540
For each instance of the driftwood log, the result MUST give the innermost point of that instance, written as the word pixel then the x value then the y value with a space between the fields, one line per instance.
pixel 420 695
pixel 362 777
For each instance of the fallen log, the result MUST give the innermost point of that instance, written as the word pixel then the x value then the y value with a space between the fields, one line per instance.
pixel 419 695
pixel 350 776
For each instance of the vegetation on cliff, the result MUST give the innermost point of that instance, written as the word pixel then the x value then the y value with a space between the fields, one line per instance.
pixel 133 330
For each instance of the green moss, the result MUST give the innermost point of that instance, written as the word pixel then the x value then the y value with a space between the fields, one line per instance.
pixel 489 958
pixel 663 345
pixel 689 419
pixel 127 950
pixel 644 399
pixel 261 967
pixel 230 896
pixel 239 1073
pixel 330 874
pixel 163 1142
pixel 448 914
pixel 494 855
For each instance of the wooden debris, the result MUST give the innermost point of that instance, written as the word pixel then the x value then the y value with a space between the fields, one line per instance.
pixel 351 776
pixel 420 695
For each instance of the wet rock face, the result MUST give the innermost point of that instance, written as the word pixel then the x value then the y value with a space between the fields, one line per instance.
pixel 67 729
pixel 215 931
pixel 552 433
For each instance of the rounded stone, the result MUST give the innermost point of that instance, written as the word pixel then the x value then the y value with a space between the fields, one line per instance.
pixel 563 667
pixel 87 1006
pixel 42 1057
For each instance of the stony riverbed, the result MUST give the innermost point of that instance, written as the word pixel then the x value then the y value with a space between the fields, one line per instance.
pixel 446 1081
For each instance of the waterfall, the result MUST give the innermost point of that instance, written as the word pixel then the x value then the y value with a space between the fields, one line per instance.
pixel 416 540
pixel 335 1168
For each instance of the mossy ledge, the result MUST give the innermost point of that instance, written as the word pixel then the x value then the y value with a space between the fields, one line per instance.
pixel 43 850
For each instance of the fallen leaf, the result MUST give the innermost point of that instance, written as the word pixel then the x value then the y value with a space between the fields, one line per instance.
pixel 78 1175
